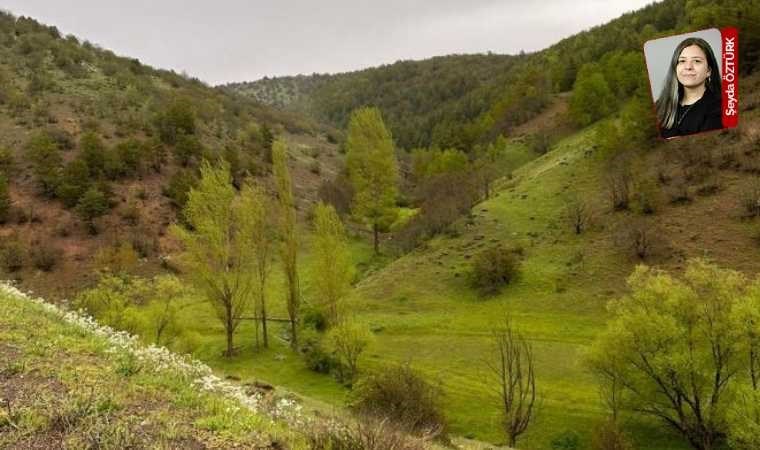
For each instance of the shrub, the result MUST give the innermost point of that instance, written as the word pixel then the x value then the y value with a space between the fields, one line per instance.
pixel 609 436
pixel 12 255
pixel 347 342
pixel 492 269
pixel 6 161
pixel 315 356
pixel 92 205
pixel 403 396
pixel 45 255
pixel 363 433
pixel 567 440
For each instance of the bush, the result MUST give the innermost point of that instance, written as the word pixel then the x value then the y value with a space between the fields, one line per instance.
pixel 609 436
pixel 492 269
pixel 347 342
pixel 45 255
pixel 315 356
pixel 6 161
pixel 365 433
pixel 12 255
pixel 567 440
pixel 403 396
pixel 750 199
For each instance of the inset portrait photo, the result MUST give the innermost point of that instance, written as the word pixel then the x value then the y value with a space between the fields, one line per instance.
pixel 688 79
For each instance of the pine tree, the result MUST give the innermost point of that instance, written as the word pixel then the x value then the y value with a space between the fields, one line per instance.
pixel 373 170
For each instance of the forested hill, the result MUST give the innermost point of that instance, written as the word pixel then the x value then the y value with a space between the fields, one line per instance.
pixel 99 150
pixel 461 100
pixel 414 95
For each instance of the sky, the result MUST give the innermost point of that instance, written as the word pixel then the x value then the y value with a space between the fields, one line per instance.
pixel 239 40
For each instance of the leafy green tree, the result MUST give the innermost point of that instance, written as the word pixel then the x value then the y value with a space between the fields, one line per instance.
pixel 166 294
pixel 676 348
pixel 373 170
pixel 288 233
pixel 217 254
pixel 74 182
pixel 46 162
pixel 93 204
pixel 267 141
pixel 178 118
pixel 332 268
pixel 5 199
pixel 262 232
pixel 592 98
pixel 347 341
pixel 187 149
pixel 93 153
pixel 744 420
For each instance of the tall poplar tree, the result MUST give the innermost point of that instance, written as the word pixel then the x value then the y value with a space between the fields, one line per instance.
pixel 288 233
pixel 332 266
pixel 217 248
pixel 373 170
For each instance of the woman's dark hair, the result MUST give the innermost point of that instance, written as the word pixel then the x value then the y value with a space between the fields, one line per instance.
pixel 672 91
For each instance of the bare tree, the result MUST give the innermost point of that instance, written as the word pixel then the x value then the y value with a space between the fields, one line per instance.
pixel 578 213
pixel 513 368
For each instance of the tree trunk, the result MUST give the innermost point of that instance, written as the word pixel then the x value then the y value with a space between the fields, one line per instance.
pixel 264 324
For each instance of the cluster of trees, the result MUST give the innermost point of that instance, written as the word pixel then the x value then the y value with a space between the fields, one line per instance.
pixel 686 352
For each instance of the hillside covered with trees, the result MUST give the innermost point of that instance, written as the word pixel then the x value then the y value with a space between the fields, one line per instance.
pixel 510 257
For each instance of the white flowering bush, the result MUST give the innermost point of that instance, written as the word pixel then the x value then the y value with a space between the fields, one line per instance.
pixel 161 360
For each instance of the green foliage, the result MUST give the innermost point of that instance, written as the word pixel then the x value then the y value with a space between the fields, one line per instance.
pixel 75 181
pixel 93 153
pixel 115 301
pixel 217 257
pixel 680 347
pixel 45 255
pixel 287 228
pixel 118 259
pixel 163 306
pixel 744 420
pixel 347 341
pixel 372 169
pixel 492 269
pixel 93 204
pixel 567 440
pixel 179 187
pixel 592 98
pixel 427 163
pixel 188 149
pixel 46 161
pixel 332 268
pixel 178 118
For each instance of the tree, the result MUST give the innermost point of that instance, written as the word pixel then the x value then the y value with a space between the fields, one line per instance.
pixel 514 371
pixel 261 231
pixel 166 292
pixel 347 341
pixel 676 348
pixel 46 162
pixel 217 255
pixel 578 213
pixel 92 205
pixel 592 98
pixel 289 246
pixel 332 266
pixel 93 153
pixel 373 170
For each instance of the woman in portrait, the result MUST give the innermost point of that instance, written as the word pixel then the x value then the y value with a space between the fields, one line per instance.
pixel 690 101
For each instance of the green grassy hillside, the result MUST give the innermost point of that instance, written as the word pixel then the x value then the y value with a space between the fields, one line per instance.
pixel 78 385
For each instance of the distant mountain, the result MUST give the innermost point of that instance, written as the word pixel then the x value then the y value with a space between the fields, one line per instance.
pixel 462 100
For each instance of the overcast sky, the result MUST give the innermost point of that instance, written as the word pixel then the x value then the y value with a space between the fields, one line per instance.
pixel 238 40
